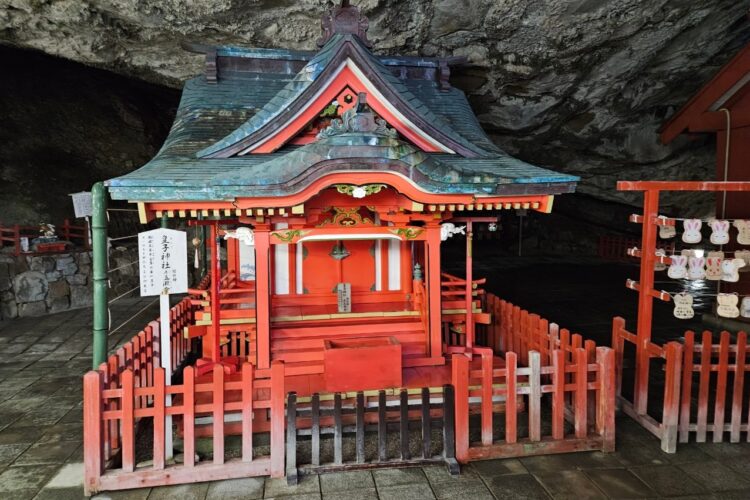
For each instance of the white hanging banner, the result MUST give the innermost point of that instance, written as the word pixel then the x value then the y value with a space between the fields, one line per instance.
pixel 82 204
pixel 163 262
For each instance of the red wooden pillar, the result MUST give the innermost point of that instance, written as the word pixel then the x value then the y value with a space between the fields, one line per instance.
pixel 645 299
pixel 433 289
pixel 262 296
pixel 215 293
pixel 469 289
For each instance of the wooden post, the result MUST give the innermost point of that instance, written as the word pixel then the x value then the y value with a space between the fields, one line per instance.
pixel 737 391
pixel 449 427
pixel 188 419
pixel 511 406
pixel 605 410
pixel 291 439
pixel 247 412
pixel 218 413
pixel 486 397
pixel 262 297
pixel 687 385
pixel 460 377
pixel 645 299
pixel 277 419
pixel 469 289
pixel 558 394
pixel 535 397
pixel 433 289
pixel 670 417
pixel 215 294
pixel 721 387
pixel 618 324
pixel 93 442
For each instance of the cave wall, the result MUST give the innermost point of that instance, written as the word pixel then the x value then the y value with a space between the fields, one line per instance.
pixel 64 125
pixel 580 86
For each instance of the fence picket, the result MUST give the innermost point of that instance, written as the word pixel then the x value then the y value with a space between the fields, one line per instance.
pixel 703 388
pixel 670 417
pixel 127 404
pixel 188 416
pixel 315 408
pixel 687 385
pixel 737 391
pixel 247 412
pixel 382 427
pixel 486 397
pixel 605 417
pixel 721 388
pixel 93 443
pixel 535 396
pixel 581 381
pixel 338 430
pixel 558 394
pixel 360 438
pixel 159 419
pixel 426 424
pixel 511 408
pixel 218 413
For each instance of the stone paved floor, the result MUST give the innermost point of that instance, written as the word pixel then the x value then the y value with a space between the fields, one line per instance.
pixel 42 360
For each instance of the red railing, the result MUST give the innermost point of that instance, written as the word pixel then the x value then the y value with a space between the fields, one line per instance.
pixel 130 387
pixel 616 247
pixel 516 330
pixel 78 235
pixel 192 400
pixel 696 387
pixel 581 414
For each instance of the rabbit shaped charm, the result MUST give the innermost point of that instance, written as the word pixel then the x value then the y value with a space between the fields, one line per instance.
pixel 719 232
pixel 692 232
pixel 728 305
pixel 745 308
pixel 666 232
pixel 696 271
pixel 683 306
pixel 660 266
pixel 743 228
pixel 745 256
pixel 678 270
pixel 713 265
pixel 730 269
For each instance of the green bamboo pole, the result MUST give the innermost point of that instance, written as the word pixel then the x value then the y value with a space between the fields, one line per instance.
pixel 99 246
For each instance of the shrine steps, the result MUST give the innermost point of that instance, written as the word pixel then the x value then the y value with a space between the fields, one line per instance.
pixel 302 346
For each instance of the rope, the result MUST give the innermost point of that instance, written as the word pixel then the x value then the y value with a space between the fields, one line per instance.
pixel 123 237
pixel 125 265
pixel 124 294
pixel 133 316
pixel 122 210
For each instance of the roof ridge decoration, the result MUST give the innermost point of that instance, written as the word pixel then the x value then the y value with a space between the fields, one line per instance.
pixel 345 18
pixel 358 119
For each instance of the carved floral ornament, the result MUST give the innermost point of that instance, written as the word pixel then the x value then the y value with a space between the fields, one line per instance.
pixel 359 191
pixel 358 119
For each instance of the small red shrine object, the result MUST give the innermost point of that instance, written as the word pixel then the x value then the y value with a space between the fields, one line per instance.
pixel 360 364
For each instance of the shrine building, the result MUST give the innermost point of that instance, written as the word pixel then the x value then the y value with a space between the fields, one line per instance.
pixel 340 167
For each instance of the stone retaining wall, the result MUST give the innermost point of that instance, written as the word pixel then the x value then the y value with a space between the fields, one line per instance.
pixel 42 284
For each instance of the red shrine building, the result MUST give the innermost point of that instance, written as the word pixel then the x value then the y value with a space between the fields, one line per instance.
pixel 322 185
pixel 341 168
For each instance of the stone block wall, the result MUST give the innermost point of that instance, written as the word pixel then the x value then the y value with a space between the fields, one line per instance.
pixel 43 284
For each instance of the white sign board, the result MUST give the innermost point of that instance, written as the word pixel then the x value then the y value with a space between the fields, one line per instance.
pixel 82 204
pixel 162 255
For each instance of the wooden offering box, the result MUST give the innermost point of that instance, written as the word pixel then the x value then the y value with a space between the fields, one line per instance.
pixel 360 364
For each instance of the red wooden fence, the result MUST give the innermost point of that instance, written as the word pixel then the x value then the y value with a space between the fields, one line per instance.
pixel 516 330
pixel 67 232
pixel 133 404
pixel 704 387
pixel 591 426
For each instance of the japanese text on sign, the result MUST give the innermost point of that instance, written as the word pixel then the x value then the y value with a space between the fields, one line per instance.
pixel 162 255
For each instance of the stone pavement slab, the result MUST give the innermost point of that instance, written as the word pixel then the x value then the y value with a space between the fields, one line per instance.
pixel 715 476
pixel 619 483
pixel 516 486
pixel 248 488
pixel 196 491
pixel 419 491
pixel 668 480
pixel 359 494
pixel 346 481
pixel 573 484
